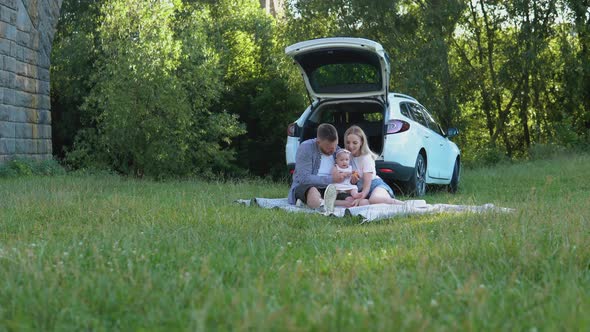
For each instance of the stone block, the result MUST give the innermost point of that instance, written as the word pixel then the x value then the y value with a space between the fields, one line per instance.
pixel 20 53
pixel 19 82
pixel 32 70
pixel 47 147
pixel 24 99
pixel 3 79
pixel 44 131
pixel 7 31
pixel 8 15
pixel 23 38
pixel 33 11
pixel 9 96
pixel 4 111
pixel 18 114
pixel 4 46
pixel 24 146
pixel 43 102
pixel 43 74
pixel 36 145
pixel 23 130
pixel 43 87
pixel 35 41
pixel 22 83
pixel 34 131
pixel 13 48
pixel 7 146
pixel 11 79
pixel 9 3
pixel 20 68
pixel 32 115
pixel 23 22
pixel 30 56
pixel 26 69
pixel 4 158
pixel 44 58
pixel 1 93
pixel 44 117
pixel 41 147
pixel 9 63
pixel 7 129
pixel 26 84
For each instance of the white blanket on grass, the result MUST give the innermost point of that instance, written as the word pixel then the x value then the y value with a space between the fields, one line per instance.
pixel 375 211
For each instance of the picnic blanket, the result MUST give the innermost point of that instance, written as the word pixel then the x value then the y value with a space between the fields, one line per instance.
pixel 375 211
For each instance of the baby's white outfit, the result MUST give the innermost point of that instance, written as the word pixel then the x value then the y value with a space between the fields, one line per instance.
pixel 345 185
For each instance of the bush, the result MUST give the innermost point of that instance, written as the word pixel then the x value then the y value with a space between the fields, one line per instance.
pixel 28 167
pixel 149 104
pixel 545 151
pixel 484 157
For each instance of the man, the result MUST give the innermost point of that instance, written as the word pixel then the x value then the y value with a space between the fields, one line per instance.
pixel 315 171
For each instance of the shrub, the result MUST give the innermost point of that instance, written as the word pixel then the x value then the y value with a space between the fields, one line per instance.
pixel 484 157
pixel 149 105
pixel 27 167
pixel 545 151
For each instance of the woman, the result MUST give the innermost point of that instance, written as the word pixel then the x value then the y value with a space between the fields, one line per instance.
pixel 373 189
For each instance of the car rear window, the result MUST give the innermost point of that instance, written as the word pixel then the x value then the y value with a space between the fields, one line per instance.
pixel 404 110
pixel 416 114
pixel 345 77
pixel 432 124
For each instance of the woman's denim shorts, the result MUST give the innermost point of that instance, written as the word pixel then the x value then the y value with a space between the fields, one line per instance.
pixel 377 182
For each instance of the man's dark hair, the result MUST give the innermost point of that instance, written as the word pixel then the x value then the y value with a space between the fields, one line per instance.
pixel 327 132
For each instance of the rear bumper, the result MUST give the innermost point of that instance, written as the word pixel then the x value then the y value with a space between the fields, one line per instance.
pixel 393 171
pixel 385 170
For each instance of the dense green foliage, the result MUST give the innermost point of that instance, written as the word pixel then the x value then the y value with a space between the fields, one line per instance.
pixel 27 167
pixel 179 87
pixel 113 253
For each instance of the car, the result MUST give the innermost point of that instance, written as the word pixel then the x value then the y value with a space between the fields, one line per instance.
pixel 347 80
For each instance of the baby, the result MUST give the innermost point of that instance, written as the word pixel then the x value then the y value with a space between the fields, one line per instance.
pixel 343 165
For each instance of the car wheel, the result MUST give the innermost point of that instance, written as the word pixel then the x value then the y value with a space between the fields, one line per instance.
pixel 454 185
pixel 417 184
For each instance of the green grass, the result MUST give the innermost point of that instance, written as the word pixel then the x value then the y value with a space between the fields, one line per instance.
pixel 108 253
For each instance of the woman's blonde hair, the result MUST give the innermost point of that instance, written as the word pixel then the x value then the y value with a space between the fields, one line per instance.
pixel 356 130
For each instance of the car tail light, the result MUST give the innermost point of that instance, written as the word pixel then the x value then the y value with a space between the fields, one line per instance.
pixel 292 130
pixel 397 126
pixel 385 170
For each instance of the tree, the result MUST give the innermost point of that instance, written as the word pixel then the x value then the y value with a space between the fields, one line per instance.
pixel 149 111
pixel 74 54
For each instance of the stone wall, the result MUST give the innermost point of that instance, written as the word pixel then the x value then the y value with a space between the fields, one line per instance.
pixel 26 33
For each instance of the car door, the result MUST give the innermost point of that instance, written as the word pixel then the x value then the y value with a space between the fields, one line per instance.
pixel 428 139
pixel 441 148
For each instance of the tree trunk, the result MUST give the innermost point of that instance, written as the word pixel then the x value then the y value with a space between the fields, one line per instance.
pixel 527 36
pixel 485 94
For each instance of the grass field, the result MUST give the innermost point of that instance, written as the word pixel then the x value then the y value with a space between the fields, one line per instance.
pixel 108 253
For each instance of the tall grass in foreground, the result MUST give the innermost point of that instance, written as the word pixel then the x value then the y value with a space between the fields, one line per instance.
pixel 108 253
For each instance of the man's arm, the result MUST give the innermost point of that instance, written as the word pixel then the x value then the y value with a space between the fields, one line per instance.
pixel 303 167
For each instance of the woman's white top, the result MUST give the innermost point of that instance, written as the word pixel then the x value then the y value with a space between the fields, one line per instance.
pixel 364 164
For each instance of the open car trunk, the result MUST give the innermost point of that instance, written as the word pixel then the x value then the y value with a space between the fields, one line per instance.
pixel 368 114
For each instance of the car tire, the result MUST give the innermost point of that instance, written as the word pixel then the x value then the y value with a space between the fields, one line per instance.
pixel 454 184
pixel 417 183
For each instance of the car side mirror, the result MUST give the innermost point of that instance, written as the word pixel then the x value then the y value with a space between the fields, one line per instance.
pixel 452 132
